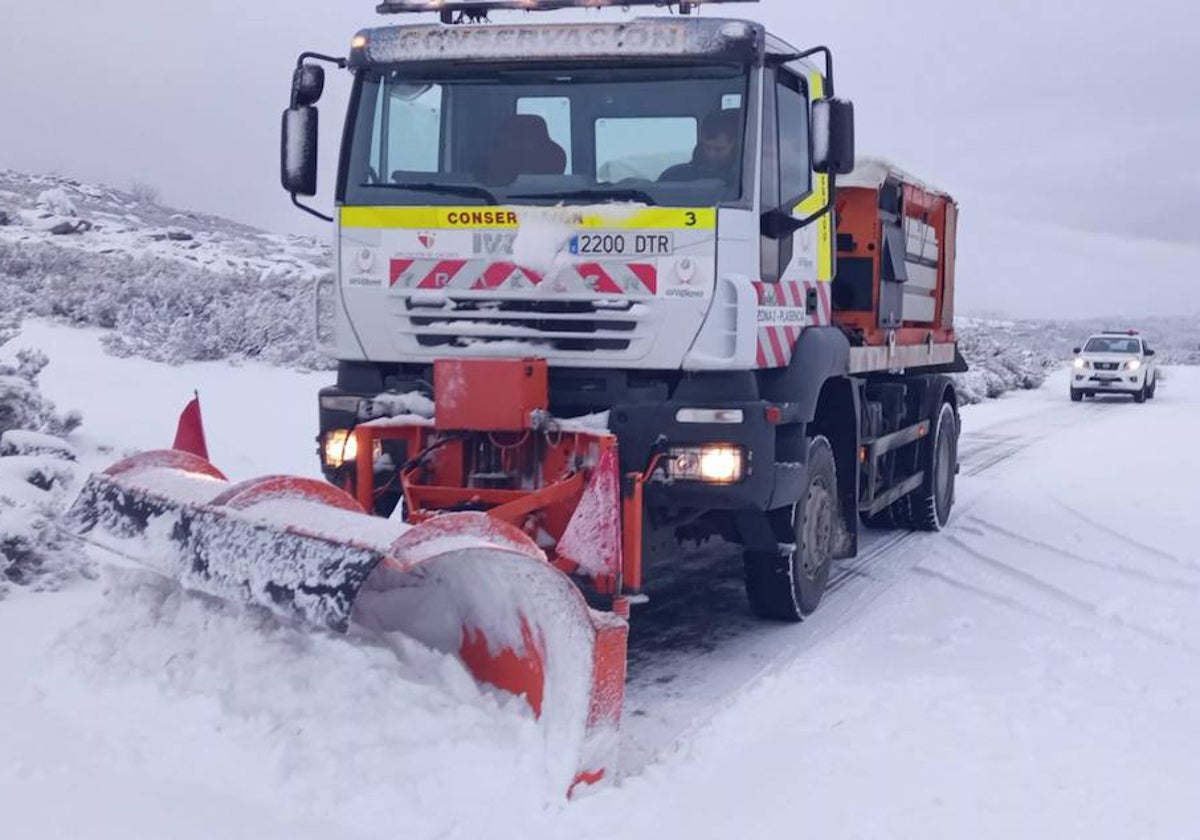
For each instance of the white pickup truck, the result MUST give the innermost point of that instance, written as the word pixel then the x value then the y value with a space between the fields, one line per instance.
pixel 1117 363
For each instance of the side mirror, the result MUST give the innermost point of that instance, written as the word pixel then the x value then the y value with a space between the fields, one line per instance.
pixel 298 151
pixel 308 83
pixel 833 136
pixel 1149 352
pixel 1077 350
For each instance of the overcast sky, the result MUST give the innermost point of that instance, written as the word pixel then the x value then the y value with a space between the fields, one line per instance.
pixel 1082 113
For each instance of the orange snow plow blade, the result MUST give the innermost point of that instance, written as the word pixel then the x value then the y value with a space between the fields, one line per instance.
pixel 463 583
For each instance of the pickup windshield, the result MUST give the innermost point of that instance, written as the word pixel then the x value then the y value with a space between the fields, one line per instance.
pixel 548 135
pixel 1103 344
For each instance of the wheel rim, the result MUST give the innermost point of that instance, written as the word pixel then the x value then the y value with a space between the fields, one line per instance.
pixel 817 546
pixel 943 472
pixel 943 467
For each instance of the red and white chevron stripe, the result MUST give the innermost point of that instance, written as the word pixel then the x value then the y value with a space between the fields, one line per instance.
pixel 611 278
pixel 786 304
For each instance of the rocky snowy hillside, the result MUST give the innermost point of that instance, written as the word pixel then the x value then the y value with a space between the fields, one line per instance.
pixel 173 286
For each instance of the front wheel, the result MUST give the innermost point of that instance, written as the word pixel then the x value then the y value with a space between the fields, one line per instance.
pixel 1139 397
pixel 787 585
pixel 1152 389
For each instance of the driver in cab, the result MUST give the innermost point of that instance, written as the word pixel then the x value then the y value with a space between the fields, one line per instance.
pixel 716 155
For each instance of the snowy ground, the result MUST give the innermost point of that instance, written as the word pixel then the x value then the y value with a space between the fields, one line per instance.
pixel 1030 672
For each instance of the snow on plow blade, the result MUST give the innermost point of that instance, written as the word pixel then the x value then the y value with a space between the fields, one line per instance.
pixel 461 583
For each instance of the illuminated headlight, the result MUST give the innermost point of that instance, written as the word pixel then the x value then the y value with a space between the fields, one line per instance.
pixel 1080 364
pixel 710 464
pixel 341 448
pixel 710 415
pixel 1134 364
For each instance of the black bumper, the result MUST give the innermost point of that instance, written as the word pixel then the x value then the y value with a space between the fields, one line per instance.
pixel 645 430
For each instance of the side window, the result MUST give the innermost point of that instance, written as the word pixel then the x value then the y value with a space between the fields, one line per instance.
pixel 556 111
pixel 795 169
pixel 642 147
pixel 408 129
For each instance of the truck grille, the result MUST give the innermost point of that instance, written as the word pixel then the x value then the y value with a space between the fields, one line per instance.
pixel 1107 365
pixel 579 326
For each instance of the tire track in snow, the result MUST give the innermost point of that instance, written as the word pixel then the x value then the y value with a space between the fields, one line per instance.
pixel 980 592
pixel 1117 568
pixel 1125 538
pixel 1068 599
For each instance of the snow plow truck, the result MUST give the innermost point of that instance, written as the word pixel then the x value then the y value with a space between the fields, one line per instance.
pixel 595 281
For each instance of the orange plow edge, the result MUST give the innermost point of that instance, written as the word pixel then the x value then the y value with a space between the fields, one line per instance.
pixel 465 584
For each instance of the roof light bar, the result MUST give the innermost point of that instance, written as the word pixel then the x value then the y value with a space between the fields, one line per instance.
pixel 478 9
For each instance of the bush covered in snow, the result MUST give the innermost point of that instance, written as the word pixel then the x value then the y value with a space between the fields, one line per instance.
pixel 999 362
pixel 165 310
pixel 37 472
pixel 34 489
pixel 22 405
pixel 172 286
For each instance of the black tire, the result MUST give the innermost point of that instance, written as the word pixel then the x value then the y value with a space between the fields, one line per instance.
pixel 1152 389
pixel 930 505
pixel 1076 395
pixel 1139 397
pixel 789 586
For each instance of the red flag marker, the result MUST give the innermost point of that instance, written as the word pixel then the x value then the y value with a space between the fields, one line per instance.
pixel 189 436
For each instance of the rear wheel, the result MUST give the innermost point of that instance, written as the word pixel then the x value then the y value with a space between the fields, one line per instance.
pixel 1076 395
pixel 788 585
pixel 930 504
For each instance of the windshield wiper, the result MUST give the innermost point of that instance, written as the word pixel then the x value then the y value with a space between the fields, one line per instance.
pixel 446 189
pixel 625 193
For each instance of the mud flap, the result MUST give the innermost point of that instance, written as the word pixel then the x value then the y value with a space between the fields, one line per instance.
pixel 462 583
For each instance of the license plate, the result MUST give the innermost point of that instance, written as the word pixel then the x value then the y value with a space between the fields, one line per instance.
pixel 623 245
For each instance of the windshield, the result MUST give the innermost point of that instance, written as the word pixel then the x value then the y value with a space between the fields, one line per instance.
pixel 550 135
pixel 1113 345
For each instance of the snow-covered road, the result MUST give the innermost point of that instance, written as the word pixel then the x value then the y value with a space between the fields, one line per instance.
pixel 1031 672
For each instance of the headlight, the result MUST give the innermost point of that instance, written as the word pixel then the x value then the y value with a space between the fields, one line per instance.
pixel 1080 364
pixel 340 446
pixel 1134 364
pixel 721 464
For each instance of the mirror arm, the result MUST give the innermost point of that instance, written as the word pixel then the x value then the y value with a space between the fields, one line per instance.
pixel 340 63
pixel 797 224
pixel 310 210
pixel 828 66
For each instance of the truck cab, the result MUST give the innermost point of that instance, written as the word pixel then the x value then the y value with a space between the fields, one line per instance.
pixel 648 207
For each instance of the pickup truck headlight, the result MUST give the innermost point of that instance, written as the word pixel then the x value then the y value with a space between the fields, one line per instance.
pixel 1080 363
pixel 1134 364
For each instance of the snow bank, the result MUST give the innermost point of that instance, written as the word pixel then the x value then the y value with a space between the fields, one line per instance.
pixel 290 722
